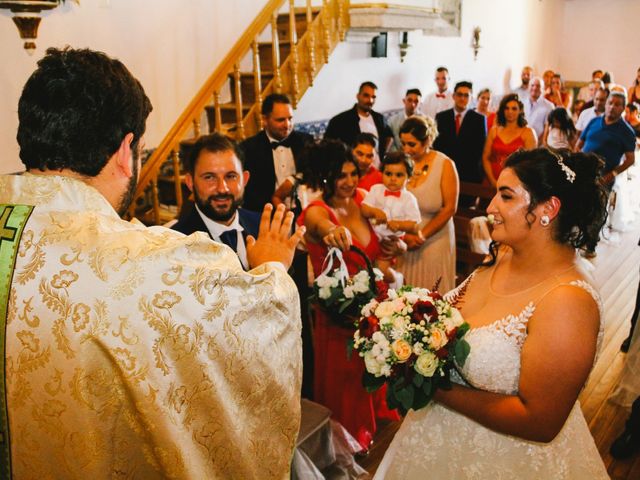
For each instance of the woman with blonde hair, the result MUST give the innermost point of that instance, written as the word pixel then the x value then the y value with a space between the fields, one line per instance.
pixel 434 182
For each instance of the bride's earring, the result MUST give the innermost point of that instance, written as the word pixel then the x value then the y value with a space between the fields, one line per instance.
pixel 544 220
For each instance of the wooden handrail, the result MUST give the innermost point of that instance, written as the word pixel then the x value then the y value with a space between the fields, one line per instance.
pixel 323 33
pixel 203 97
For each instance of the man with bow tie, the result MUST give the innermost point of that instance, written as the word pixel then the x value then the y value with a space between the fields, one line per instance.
pixel 272 154
pixel 441 99
pixel 217 180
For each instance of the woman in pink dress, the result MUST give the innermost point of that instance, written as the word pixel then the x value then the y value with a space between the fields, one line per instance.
pixel 335 220
pixel 510 134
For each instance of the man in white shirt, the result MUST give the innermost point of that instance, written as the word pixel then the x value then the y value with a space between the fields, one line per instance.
pixel 271 155
pixel 587 92
pixel 523 89
pixel 412 101
pixel 537 108
pixel 361 118
pixel 442 99
pixel 588 114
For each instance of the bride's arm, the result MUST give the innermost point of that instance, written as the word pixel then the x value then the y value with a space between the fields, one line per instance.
pixel 557 357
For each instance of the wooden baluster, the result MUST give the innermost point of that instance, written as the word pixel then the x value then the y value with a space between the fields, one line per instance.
pixel 275 54
pixel 156 201
pixel 196 127
pixel 326 36
pixel 293 39
pixel 239 112
pixel 311 42
pixel 257 80
pixel 217 112
pixel 342 31
pixel 175 158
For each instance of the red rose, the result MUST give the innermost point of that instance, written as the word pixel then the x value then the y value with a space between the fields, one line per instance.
pixel 452 334
pixel 435 295
pixel 442 353
pixel 368 326
pixel 383 288
pixel 422 308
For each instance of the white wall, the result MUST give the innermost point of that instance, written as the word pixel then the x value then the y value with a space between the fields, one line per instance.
pixel 170 46
pixel 601 34
pixel 514 33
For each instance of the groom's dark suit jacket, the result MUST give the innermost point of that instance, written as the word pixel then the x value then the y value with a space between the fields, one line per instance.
pixel 465 148
pixel 258 160
pixel 192 222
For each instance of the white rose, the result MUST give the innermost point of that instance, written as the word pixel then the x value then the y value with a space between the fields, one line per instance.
pixel 384 309
pixel 326 281
pixel 371 364
pixel 412 297
pixel 369 308
pixel 348 291
pixel 417 348
pixel 361 287
pixel 426 364
pixel 324 293
pixel 399 323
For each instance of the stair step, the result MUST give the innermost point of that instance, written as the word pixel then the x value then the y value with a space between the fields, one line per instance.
pixel 301 22
pixel 247 82
pixel 227 112
pixel 265 50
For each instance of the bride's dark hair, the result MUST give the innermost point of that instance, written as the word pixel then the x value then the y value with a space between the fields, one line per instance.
pixel 583 201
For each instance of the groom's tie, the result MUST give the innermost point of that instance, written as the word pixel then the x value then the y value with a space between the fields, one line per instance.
pixel 230 238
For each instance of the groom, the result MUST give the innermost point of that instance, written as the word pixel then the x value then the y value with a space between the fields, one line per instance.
pixel 216 178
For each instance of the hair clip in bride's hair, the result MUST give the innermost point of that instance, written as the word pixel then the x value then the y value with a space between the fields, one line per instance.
pixel 571 175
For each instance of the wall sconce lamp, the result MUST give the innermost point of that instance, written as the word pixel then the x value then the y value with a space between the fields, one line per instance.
pixel 475 43
pixel 404 45
pixel 26 16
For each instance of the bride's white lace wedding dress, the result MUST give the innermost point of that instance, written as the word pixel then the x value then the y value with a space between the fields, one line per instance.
pixel 439 443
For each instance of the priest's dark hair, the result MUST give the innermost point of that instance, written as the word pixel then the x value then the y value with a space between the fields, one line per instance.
pixel 75 110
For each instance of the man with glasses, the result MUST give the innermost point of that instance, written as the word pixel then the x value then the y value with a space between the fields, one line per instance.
pixel 462 133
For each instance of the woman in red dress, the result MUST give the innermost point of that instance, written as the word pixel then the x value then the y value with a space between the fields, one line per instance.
pixel 508 135
pixel 336 221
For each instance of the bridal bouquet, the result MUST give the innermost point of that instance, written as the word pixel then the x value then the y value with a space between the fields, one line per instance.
pixel 342 296
pixel 410 340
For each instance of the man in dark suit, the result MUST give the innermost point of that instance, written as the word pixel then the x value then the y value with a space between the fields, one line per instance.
pixel 361 119
pixel 273 154
pixel 216 177
pixel 217 180
pixel 461 134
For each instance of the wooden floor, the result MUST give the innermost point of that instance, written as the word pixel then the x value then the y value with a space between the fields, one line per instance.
pixel 616 276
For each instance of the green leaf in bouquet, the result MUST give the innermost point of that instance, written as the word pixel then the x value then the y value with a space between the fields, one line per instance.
pixel 420 400
pixel 344 305
pixel 462 329
pixel 426 387
pixel 371 382
pixel 350 348
pixel 461 351
pixel 392 403
pixel 418 380
pixel 405 396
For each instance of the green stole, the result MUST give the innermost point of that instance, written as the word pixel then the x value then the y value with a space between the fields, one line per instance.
pixel 12 221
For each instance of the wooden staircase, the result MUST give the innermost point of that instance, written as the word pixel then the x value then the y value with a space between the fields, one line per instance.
pixel 300 41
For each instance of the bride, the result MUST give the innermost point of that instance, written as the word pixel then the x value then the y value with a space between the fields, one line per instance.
pixel 535 330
